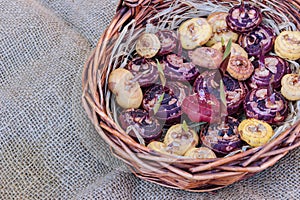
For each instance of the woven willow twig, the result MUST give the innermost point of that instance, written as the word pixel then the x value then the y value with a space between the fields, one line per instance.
pixel 113 50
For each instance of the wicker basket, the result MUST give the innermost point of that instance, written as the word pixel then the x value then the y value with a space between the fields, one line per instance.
pixel 195 175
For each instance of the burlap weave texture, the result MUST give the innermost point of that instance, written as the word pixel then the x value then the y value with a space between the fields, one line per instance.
pixel 48 147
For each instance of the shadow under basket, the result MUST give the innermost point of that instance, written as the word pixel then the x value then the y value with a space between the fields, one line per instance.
pixel 114 49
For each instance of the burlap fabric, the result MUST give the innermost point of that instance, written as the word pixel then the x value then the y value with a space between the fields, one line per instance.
pixel 48 147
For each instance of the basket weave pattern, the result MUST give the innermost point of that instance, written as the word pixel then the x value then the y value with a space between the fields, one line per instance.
pixel 181 173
